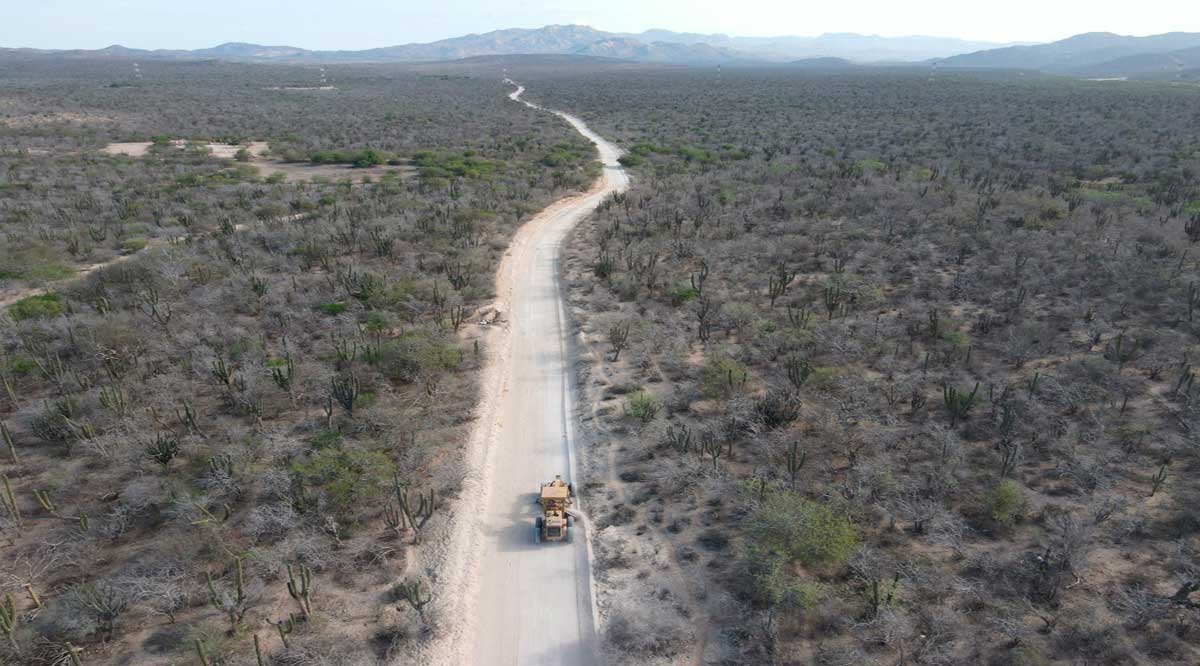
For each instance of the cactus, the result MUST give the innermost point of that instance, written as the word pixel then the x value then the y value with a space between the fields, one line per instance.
pixel 8 621
pixel 1159 478
pixel 935 324
pixel 777 284
pixel 10 442
pixel 394 518
pixel 153 307
pixel 795 461
pixel 799 317
pixel 285 627
pixel 43 498
pixel 698 279
pixel 618 337
pixel 115 400
pixel 416 594
pixel 204 661
pixel 188 417
pixel 234 605
pixel 259 286
pixel 346 390
pixel 1120 350
pixel 798 371
pixel 1193 299
pixel 681 439
pixel 424 511
pixel 833 299
pixel 222 372
pixel 164 449
pixel 33 595
pixel 301 591
pixel 959 403
pixel 72 653
pixel 711 446
pixel 458 315
pixel 283 376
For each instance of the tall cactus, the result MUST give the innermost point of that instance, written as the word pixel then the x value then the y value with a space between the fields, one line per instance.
pixel 201 654
pixel 301 590
pixel 8 621
pixel 959 403
pixel 234 605
pixel 417 518
pixel 417 595
pixel 10 501
pixel 346 390
pixel 10 442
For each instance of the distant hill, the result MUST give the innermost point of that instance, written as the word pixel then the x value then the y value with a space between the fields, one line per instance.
pixel 822 62
pixel 553 39
pixel 851 46
pixel 1182 64
pixel 1094 54
pixel 662 46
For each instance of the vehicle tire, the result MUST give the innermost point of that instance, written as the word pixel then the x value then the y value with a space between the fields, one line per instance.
pixel 537 530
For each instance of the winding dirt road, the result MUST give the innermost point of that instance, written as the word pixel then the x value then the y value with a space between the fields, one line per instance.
pixel 528 603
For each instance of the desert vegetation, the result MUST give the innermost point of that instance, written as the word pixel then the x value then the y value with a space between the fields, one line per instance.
pixel 237 445
pixel 892 367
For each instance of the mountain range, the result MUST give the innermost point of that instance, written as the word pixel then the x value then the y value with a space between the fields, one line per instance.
pixel 650 46
pixel 1173 55
pixel 1170 56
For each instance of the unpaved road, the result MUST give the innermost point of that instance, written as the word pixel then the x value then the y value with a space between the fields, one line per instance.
pixel 531 603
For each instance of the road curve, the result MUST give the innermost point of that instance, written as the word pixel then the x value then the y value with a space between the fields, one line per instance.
pixel 534 602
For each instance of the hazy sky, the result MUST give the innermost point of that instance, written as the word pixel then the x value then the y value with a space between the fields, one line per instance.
pixel 356 24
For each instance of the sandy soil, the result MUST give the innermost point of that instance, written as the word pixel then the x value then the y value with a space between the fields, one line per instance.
pixel 267 166
pixel 521 602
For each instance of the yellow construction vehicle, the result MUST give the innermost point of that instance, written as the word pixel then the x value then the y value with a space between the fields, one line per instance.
pixel 555 522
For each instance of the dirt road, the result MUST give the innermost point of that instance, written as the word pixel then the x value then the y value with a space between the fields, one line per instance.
pixel 530 603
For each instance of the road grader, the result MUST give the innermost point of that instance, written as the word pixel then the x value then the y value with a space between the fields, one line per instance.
pixel 556 498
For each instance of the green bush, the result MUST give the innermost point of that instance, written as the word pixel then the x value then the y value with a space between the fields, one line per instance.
pixel 643 406
pixel 721 378
pixel 793 529
pixel 135 244
pixel 631 160
pixel 774 582
pixel 41 306
pixel 1005 504
pixel 333 309
pixel 346 476
pixel 682 293
pixel 50 272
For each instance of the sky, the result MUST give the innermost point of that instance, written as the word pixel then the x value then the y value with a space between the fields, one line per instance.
pixel 359 24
